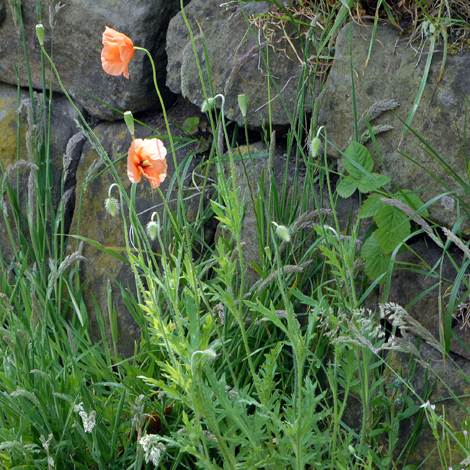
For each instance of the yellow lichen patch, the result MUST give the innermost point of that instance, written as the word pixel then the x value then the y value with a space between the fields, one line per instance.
pixel 8 132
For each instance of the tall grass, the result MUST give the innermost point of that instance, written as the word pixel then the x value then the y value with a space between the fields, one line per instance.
pixel 231 373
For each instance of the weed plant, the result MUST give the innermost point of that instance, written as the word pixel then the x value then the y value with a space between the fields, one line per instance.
pixel 229 374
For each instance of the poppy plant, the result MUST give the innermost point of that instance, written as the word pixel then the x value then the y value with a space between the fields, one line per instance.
pixel 117 52
pixel 147 158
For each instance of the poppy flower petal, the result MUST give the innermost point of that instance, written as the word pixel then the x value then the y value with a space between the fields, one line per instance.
pixel 156 172
pixel 117 52
pixel 147 158
pixel 133 162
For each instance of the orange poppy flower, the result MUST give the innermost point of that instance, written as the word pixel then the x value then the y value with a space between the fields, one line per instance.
pixel 147 158
pixel 117 52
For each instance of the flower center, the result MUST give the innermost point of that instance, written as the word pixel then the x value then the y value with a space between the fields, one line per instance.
pixel 144 163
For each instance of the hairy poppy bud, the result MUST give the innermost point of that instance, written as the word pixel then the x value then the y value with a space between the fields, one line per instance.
pixel 152 229
pixel 208 104
pixel 112 206
pixel 210 354
pixel 315 145
pixel 283 232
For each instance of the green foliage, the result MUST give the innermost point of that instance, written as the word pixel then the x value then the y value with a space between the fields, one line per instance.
pixel 393 223
pixel 359 164
pixel 191 125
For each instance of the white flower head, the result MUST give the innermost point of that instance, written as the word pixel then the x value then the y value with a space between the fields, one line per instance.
pixel 89 420
pixel 153 448
pixel 428 405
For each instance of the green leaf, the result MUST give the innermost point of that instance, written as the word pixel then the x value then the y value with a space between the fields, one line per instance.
pixel 190 125
pixel 408 412
pixel 357 161
pixel 377 262
pixel 393 227
pixel 371 206
pixel 346 187
pixel 372 181
pixel 411 199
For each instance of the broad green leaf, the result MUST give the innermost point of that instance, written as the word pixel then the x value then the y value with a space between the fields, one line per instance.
pixel 357 161
pixel 190 125
pixel 393 227
pixel 377 262
pixel 346 187
pixel 411 199
pixel 371 206
pixel 372 181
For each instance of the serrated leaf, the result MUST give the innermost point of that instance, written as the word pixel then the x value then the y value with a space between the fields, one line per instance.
pixel 371 206
pixel 357 161
pixel 372 181
pixel 377 262
pixel 346 187
pixel 411 199
pixel 393 227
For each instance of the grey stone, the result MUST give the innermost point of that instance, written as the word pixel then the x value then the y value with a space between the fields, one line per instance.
pixel 407 285
pixel 235 62
pixel 75 42
pixel 394 71
pixel 62 127
pixel 445 379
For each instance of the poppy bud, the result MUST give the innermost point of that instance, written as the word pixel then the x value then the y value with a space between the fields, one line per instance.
pixel 129 120
pixel 242 104
pixel 112 206
pixel 210 354
pixel 152 229
pixel 282 232
pixel 268 252
pixel 208 104
pixel 40 33
pixel 315 145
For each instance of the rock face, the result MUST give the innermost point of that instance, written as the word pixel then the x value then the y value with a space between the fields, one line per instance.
pixel 236 64
pixel 63 128
pixel 394 71
pixel 407 285
pixel 76 49
pixel 439 379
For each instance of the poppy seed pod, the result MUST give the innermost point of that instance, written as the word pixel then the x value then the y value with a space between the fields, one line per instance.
pixel 242 104
pixel 129 120
pixel 40 33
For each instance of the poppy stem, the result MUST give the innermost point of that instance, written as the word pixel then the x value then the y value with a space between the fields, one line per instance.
pixel 165 118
